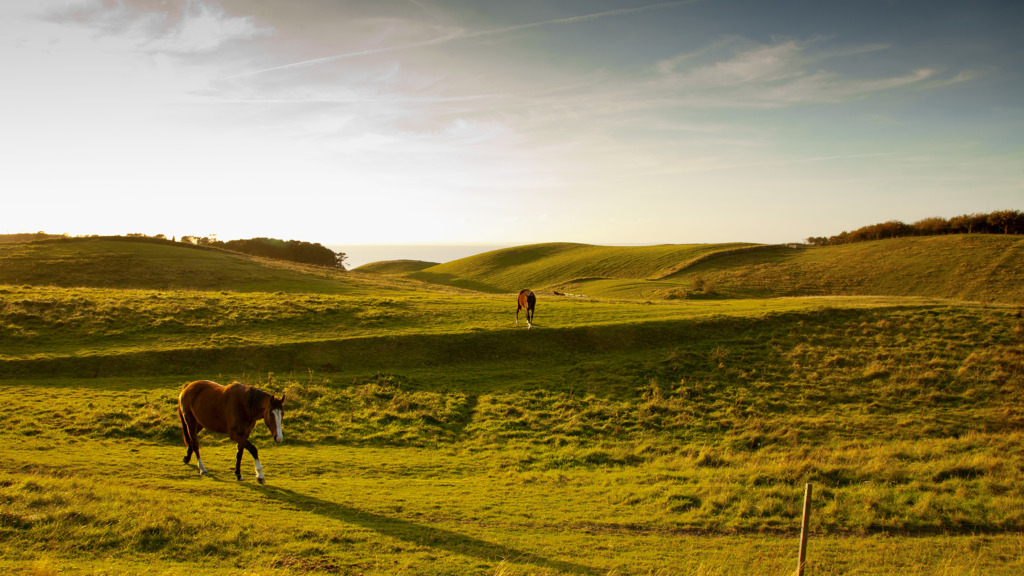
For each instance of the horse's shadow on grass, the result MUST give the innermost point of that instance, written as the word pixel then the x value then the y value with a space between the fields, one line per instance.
pixel 417 533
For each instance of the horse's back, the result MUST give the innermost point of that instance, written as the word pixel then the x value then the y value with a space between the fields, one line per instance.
pixel 191 392
pixel 208 401
pixel 526 298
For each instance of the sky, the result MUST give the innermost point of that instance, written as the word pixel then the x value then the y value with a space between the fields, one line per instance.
pixel 488 121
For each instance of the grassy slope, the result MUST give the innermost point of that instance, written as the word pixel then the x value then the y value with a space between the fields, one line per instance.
pixel 616 438
pixel 394 267
pixel 542 265
pixel 47 329
pixel 968 267
pixel 618 449
pixel 119 264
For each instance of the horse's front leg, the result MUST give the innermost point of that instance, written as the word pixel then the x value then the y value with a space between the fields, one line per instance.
pixel 256 457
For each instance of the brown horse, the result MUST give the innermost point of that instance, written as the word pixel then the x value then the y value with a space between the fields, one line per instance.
pixel 528 301
pixel 232 410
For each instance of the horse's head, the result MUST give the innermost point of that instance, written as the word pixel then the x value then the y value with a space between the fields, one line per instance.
pixel 274 418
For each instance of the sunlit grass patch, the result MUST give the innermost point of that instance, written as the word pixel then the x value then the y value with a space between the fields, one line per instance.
pixel 630 439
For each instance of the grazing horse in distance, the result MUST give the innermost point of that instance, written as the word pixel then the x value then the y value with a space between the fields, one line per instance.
pixel 528 301
pixel 232 410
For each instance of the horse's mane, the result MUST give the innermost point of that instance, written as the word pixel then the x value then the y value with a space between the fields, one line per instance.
pixel 255 401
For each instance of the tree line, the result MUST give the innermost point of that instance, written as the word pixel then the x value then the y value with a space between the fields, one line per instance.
pixel 26 237
pixel 291 250
pixel 999 222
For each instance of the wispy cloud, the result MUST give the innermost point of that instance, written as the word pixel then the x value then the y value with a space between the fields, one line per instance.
pixel 204 28
pixel 463 35
pixel 716 165
pixel 769 76
pixel 189 27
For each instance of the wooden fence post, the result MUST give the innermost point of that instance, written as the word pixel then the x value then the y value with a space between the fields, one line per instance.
pixel 804 530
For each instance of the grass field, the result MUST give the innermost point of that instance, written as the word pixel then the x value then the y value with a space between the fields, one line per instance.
pixel 137 264
pixel 426 434
pixel 543 265
pixel 965 267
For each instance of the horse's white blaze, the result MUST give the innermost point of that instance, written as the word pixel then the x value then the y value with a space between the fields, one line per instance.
pixel 259 470
pixel 279 421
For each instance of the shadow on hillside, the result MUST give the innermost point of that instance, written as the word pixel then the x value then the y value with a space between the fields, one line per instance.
pixel 417 533
pixel 453 280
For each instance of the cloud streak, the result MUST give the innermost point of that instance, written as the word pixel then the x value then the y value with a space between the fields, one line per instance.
pixel 463 35
pixel 770 76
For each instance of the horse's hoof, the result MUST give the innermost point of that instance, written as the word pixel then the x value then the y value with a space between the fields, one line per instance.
pixel 186 459
pixel 261 480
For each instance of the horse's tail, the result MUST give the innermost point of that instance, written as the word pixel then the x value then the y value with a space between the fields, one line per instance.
pixel 189 424
pixel 184 426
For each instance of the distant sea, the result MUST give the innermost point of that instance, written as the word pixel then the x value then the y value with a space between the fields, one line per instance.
pixel 359 254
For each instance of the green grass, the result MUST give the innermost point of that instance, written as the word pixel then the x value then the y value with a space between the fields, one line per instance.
pixel 50 330
pixel 966 267
pixel 426 434
pixel 135 264
pixel 683 453
pixel 544 265
pixel 400 510
pixel 391 267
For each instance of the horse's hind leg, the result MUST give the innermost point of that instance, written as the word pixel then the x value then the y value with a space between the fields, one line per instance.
pixel 190 430
pixel 238 462
pixel 199 459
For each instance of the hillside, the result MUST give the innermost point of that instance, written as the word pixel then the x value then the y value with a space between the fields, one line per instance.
pixel 969 267
pixel 427 434
pixel 978 267
pixel 393 267
pixel 134 264
pixel 577 448
pixel 545 265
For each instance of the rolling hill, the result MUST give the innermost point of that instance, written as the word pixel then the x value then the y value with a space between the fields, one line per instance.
pixel 977 267
pixel 428 434
pixel 125 263
pixel 547 265
pixel 968 267
pixel 394 267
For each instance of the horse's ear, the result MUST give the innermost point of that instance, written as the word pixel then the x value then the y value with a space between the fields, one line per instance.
pixel 282 398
